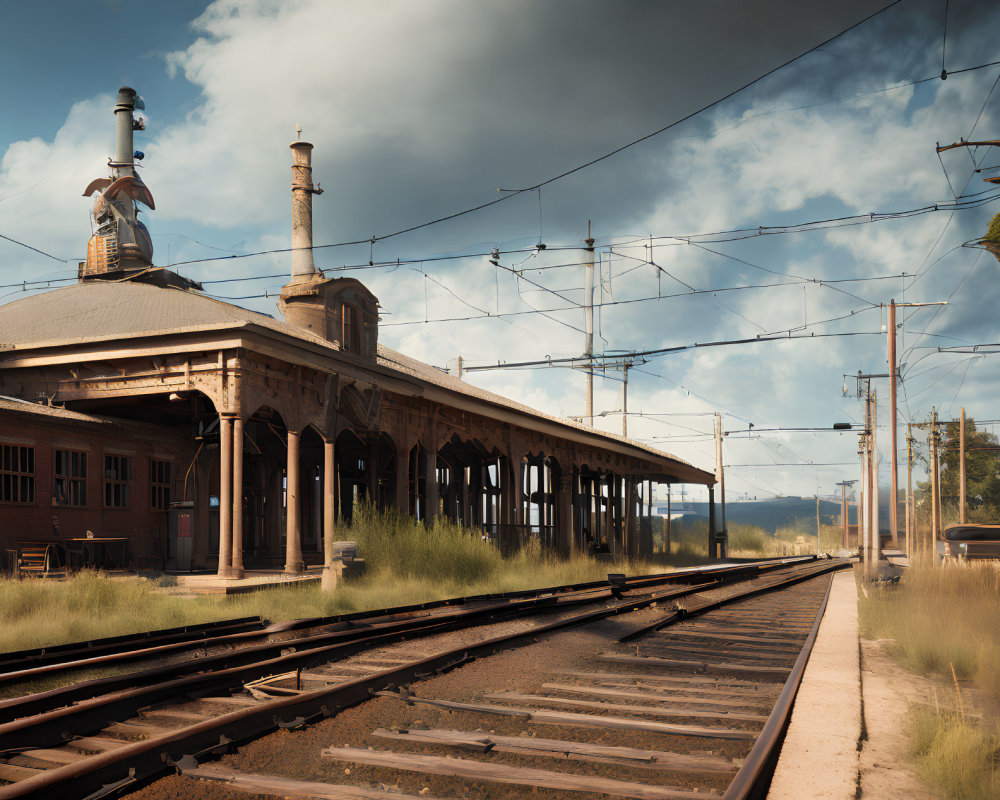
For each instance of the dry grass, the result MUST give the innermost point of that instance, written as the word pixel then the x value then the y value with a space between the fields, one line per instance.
pixel 406 564
pixel 945 621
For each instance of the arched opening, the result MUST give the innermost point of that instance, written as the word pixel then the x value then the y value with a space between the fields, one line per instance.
pixel 265 460
pixel 311 491
pixel 352 459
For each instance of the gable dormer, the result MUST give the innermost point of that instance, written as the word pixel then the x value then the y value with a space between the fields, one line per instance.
pixel 341 310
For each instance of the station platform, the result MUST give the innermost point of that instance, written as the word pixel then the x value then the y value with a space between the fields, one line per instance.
pixel 252 581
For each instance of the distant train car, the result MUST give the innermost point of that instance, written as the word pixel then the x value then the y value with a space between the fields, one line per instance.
pixel 972 541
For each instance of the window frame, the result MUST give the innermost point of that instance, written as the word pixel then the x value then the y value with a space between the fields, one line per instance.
pixel 75 485
pixel 118 489
pixel 18 473
pixel 160 483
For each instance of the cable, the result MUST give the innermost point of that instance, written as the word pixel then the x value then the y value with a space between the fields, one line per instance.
pixel 634 300
pixel 35 249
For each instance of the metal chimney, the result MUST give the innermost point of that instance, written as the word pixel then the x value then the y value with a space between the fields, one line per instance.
pixel 124 124
pixel 303 268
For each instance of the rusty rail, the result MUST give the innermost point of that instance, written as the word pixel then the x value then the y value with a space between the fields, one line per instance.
pixel 183 747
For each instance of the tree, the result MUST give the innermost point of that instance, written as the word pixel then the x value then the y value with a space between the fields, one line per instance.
pixel 982 472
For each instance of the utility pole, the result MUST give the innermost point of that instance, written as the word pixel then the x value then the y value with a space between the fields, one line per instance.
pixel 935 497
pixel 460 368
pixel 625 398
pixel 893 503
pixel 863 492
pixel 844 511
pixel 910 521
pixel 817 524
pixel 720 472
pixel 961 470
pixel 668 519
pixel 893 375
pixel 876 540
pixel 588 321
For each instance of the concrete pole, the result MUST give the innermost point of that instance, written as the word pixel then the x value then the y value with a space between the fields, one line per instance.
pixel 817 524
pixel 225 496
pixel 237 568
pixel 668 520
pixel 894 478
pixel 961 470
pixel 843 513
pixel 625 400
pixel 876 521
pixel 302 191
pixel 862 501
pixel 910 537
pixel 588 323
pixel 293 524
pixel 720 470
pixel 330 570
pixel 935 489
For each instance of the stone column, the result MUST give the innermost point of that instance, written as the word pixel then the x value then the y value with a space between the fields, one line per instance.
pixel 430 486
pixel 237 568
pixel 225 496
pixel 564 515
pixel 330 570
pixel 293 523
pixel 403 481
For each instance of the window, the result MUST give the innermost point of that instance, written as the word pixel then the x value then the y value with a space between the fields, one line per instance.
pixel 117 481
pixel 69 481
pixel 350 338
pixel 17 474
pixel 159 483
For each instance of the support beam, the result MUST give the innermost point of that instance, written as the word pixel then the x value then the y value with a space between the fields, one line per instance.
pixel 236 570
pixel 225 496
pixel 293 522
pixel 330 571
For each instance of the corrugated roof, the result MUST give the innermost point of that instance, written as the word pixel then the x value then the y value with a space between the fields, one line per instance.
pixel 101 310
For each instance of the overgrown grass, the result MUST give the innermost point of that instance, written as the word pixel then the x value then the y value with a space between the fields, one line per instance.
pixel 406 563
pixel 945 620
pixel 958 758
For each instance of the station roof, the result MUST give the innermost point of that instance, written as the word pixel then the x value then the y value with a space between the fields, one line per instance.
pixel 101 311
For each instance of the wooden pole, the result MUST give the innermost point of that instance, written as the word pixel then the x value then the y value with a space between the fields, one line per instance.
pixel 961 471
pixel 910 538
pixel 935 497
pixel 817 524
pixel 894 477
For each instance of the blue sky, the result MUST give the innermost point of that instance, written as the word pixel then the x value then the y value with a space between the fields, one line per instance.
pixel 421 109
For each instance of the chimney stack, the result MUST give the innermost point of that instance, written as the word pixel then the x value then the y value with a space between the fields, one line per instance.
pixel 124 163
pixel 303 269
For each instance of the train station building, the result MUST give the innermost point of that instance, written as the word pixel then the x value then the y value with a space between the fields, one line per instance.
pixel 208 436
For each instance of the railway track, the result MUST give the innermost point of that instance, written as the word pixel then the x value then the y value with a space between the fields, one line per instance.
pixel 668 664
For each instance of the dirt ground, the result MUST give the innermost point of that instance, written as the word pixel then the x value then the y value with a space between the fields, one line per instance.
pixel 886 765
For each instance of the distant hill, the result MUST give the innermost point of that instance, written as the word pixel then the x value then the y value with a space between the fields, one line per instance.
pixel 773 514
